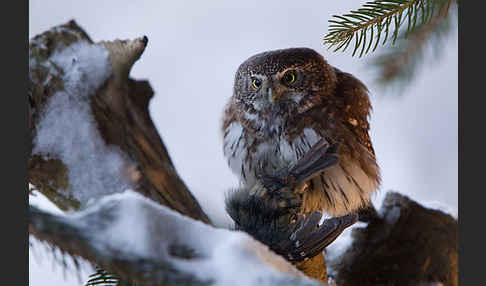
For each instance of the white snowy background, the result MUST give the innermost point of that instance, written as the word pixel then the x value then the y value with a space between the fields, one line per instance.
pixel 194 50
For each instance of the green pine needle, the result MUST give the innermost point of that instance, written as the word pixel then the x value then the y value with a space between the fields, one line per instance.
pixel 373 21
pixel 397 65
pixel 103 278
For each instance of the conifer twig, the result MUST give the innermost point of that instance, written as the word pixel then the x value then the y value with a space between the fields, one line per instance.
pixel 372 23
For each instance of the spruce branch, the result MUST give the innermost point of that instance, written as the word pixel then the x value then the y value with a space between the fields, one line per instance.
pixel 372 23
pixel 398 64
pixel 102 277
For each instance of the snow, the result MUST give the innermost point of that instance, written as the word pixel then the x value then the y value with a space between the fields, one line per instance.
pixel 342 243
pixel 129 226
pixel 37 199
pixel 441 206
pixel 67 130
pixel 133 227
pixel 130 230
pixel 42 257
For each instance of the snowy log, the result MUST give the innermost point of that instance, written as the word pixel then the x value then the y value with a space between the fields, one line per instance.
pixel 91 132
pixel 145 242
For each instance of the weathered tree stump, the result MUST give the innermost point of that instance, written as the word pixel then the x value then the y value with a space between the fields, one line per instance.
pixel 120 109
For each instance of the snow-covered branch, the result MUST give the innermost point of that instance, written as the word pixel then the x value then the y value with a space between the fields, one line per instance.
pixel 145 242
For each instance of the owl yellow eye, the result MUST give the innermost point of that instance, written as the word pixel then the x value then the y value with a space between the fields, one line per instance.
pixel 289 77
pixel 256 83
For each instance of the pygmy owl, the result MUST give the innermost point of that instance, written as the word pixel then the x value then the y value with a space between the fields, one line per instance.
pixel 284 102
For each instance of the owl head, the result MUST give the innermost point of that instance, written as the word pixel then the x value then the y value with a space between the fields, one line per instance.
pixel 284 81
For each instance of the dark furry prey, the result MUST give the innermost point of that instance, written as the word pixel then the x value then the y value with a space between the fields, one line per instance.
pixel 269 211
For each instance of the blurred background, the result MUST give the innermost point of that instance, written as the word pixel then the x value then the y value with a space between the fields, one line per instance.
pixel 194 50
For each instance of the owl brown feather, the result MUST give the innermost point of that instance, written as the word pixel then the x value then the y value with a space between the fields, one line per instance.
pixel 283 103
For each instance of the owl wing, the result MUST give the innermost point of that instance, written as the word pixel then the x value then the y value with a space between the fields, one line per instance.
pixel 356 106
pixel 319 157
pixel 309 240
